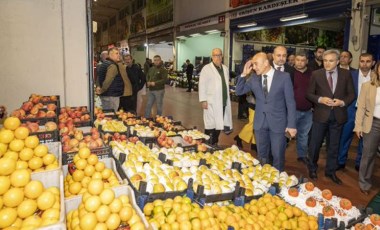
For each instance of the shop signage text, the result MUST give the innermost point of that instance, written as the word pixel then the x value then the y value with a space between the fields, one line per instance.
pixel 202 23
pixel 265 7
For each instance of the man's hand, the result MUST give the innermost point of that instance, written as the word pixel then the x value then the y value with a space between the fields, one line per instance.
pixel 337 102
pixel 291 131
pixel 247 69
pixel 326 101
pixel 151 83
pixel 359 134
pixel 97 90
pixel 204 105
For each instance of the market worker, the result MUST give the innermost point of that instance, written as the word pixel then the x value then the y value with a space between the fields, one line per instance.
pixel 156 79
pixel 275 113
pixel 137 79
pixel 214 97
pixel 279 60
pixel 367 126
pixel 317 62
pixel 359 77
pixel 112 81
pixel 330 90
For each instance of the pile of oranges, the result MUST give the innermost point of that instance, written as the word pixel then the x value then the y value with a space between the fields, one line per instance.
pixel 85 171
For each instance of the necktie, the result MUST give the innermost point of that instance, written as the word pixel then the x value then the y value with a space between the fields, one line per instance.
pixel 279 68
pixel 265 85
pixel 330 80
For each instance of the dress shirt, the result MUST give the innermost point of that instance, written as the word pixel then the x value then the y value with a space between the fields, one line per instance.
pixel 376 112
pixel 363 79
pixel 269 74
pixel 334 77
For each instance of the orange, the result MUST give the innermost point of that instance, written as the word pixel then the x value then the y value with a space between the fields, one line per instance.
pixel 107 196
pixel 84 153
pixel 103 213
pixel 41 150
pixel 6 136
pixel 113 221
pixel 21 133
pixel 92 159
pixel 12 123
pixel 32 141
pixel 26 154
pixel 35 163
pixel 26 208
pixel 7 217
pixel 5 184
pixel 20 178
pixel 46 200
pixel 92 203
pixel 33 189
pixel 16 145
pixel 126 213
pixel 88 221
pixel 13 197
pixel 100 166
pixel 95 187
pixel 7 166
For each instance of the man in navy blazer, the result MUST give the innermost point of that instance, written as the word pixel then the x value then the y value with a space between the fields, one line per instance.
pixel 275 107
pixel 360 76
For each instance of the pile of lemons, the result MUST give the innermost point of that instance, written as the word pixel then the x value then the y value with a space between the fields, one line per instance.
pixel 18 150
pixel 88 168
pixel 100 209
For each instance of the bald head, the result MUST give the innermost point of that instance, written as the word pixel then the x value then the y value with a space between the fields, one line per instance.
pixel 260 63
pixel 279 55
pixel 217 56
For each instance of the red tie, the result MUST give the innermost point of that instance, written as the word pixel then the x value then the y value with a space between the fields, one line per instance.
pixel 330 80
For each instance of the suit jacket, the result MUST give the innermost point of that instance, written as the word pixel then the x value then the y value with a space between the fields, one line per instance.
pixel 278 107
pixel 366 107
pixel 319 87
pixel 351 109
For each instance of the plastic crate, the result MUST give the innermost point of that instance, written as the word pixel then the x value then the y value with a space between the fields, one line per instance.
pixel 49 179
pixel 102 153
pixel 47 136
pixel 40 121
pixel 73 203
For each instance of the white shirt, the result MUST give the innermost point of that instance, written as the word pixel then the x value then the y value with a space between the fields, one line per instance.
pixel 282 68
pixel 363 79
pixel 376 112
pixel 269 74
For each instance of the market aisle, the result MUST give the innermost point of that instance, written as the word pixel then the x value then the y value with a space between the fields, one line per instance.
pixel 184 106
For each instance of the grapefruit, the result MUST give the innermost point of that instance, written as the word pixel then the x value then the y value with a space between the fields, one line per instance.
pixel 21 133
pixel 12 123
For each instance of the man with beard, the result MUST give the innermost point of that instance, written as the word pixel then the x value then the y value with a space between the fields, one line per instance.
pixel 317 62
pixel 279 60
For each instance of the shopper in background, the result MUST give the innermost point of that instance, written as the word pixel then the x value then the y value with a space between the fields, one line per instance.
pixel 156 79
pixel 367 126
pixel 330 90
pixel 275 113
pixel 112 81
pixel 317 62
pixel 301 78
pixel 359 77
pixel 291 60
pixel 147 65
pixel 137 79
pixel 214 97
pixel 345 60
pixel 189 75
pixel 103 57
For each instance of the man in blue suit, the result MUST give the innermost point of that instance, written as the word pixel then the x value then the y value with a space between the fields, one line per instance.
pixel 275 107
pixel 359 77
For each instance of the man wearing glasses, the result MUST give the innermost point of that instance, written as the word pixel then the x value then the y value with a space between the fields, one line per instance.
pixel 214 97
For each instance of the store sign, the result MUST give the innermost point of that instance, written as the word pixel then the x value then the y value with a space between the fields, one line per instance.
pixel 265 7
pixel 202 23
pixel 160 27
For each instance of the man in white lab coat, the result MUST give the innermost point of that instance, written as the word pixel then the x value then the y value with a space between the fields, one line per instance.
pixel 214 97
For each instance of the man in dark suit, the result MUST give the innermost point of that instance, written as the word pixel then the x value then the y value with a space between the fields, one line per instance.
pixel 279 60
pixel 360 76
pixel 317 62
pixel 330 90
pixel 275 107
pixel 345 60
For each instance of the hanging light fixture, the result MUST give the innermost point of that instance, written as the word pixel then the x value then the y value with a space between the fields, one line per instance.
pixel 245 25
pixel 294 17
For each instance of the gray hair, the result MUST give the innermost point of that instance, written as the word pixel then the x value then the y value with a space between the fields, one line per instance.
pixel 332 51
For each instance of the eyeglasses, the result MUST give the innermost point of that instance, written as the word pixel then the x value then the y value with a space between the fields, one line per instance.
pixel 217 55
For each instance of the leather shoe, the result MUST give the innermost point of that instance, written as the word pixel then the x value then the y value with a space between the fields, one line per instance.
pixel 357 167
pixel 302 160
pixel 313 175
pixel 238 141
pixel 365 192
pixel 341 167
pixel 334 178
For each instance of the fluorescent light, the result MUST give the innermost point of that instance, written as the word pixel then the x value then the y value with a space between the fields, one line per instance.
pixel 294 17
pixel 247 25
pixel 145 44
pixel 161 42
pixel 195 35
pixel 181 37
pixel 213 31
pixel 151 44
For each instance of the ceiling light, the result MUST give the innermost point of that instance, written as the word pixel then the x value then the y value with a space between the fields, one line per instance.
pixel 247 25
pixel 294 17
pixel 151 44
pixel 213 31
pixel 195 35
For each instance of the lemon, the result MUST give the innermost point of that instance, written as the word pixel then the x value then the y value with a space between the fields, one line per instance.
pixel 113 221
pixel 48 159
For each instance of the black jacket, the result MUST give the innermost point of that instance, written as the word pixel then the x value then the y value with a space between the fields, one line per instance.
pixel 137 78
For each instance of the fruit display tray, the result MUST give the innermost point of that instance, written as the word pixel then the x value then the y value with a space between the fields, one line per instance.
pixel 47 136
pixel 49 179
pixel 40 121
pixel 56 149
pixel 101 152
pixel 73 203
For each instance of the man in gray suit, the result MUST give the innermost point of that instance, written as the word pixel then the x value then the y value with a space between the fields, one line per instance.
pixel 275 107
